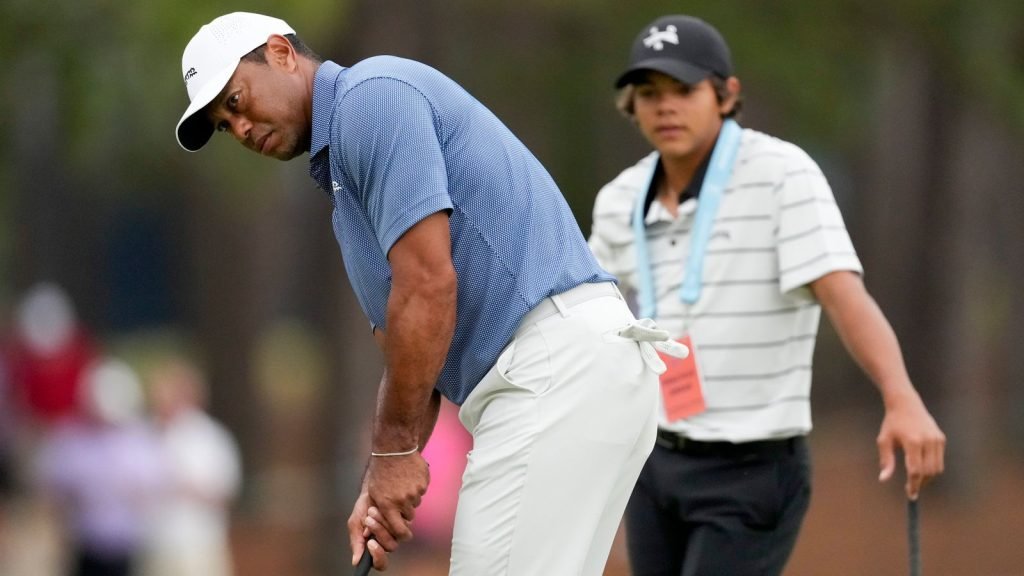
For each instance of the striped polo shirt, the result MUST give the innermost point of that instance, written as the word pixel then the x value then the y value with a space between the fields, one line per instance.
pixel 395 141
pixel 778 228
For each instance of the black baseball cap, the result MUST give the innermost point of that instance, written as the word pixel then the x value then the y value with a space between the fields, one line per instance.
pixel 684 47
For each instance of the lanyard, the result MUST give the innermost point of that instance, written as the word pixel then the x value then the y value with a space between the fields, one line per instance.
pixel 719 170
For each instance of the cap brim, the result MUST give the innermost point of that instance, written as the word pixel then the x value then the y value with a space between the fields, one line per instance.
pixel 194 129
pixel 684 72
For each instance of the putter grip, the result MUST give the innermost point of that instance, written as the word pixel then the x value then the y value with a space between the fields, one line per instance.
pixel 365 564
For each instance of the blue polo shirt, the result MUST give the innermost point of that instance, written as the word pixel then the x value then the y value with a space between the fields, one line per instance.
pixel 394 141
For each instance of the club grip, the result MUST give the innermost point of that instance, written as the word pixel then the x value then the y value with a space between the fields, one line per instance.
pixel 365 564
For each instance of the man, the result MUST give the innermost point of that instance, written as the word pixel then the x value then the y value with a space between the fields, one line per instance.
pixel 49 352
pixel 189 525
pixel 102 470
pixel 478 285
pixel 732 241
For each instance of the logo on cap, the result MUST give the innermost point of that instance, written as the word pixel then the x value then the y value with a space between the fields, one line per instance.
pixel 191 72
pixel 657 38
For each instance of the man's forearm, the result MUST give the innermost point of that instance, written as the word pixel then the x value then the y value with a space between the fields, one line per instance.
pixel 430 418
pixel 421 320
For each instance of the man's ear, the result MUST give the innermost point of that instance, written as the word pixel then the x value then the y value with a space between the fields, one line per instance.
pixel 279 51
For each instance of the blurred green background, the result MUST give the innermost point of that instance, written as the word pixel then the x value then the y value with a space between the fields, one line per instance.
pixel 913 108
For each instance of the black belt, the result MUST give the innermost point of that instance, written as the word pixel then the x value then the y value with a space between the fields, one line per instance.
pixel 682 444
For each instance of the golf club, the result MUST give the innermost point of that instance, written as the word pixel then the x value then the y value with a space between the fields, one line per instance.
pixel 914 538
pixel 365 564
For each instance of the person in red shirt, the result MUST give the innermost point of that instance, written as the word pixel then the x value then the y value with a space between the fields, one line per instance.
pixel 48 354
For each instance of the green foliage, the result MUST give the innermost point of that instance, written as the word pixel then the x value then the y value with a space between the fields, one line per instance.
pixel 120 87
pixel 807 64
pixel 121 92
pixel 988 59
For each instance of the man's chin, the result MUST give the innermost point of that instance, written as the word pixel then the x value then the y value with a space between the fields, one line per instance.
pixel 283 155
pixel 289 155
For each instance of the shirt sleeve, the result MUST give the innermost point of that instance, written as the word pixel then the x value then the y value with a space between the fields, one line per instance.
pixel 392 153
pixel 611 239
pixel 602 251
pixel 812 237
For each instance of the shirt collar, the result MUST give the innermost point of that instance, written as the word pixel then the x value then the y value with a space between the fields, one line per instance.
pixel 691 191
pixel 325 88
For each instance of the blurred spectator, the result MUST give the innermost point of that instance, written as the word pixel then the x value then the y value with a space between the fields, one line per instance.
pixel 42 356
pixel 48 354
pixel 102 471
pixel 189 533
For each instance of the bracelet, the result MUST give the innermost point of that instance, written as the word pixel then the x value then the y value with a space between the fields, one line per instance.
pixel 392 454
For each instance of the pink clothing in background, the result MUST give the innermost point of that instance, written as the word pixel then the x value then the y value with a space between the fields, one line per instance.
pixel 446 453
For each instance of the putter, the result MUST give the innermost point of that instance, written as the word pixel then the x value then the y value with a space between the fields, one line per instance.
pixel 913 537
pixel 365 564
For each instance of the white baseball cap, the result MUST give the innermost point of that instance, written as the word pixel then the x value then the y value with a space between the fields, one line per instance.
pixel 209 61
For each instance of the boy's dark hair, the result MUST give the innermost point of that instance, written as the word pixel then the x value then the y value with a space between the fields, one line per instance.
pixel 624 98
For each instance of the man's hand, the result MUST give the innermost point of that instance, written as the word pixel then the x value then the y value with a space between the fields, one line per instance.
pixel 396 485
pixel 392 489
pixel 909 427
pixel 368 527
pixel 359 534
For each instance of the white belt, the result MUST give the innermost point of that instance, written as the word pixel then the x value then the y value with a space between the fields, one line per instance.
pixel 560 302
pixel 644 331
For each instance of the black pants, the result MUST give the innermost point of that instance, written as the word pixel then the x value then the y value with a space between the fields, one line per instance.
pixel 700 511
pixel 91 564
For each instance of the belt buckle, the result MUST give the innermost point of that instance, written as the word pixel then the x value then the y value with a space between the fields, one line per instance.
pixel 693 447
pixel 685 443
pixel 672 440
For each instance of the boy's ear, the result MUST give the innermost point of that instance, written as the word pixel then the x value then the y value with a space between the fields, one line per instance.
pixel 732 88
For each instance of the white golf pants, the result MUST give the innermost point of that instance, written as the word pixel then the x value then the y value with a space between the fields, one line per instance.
pixel 561 425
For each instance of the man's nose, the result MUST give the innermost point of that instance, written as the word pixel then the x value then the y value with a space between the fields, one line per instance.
pixel 240 128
